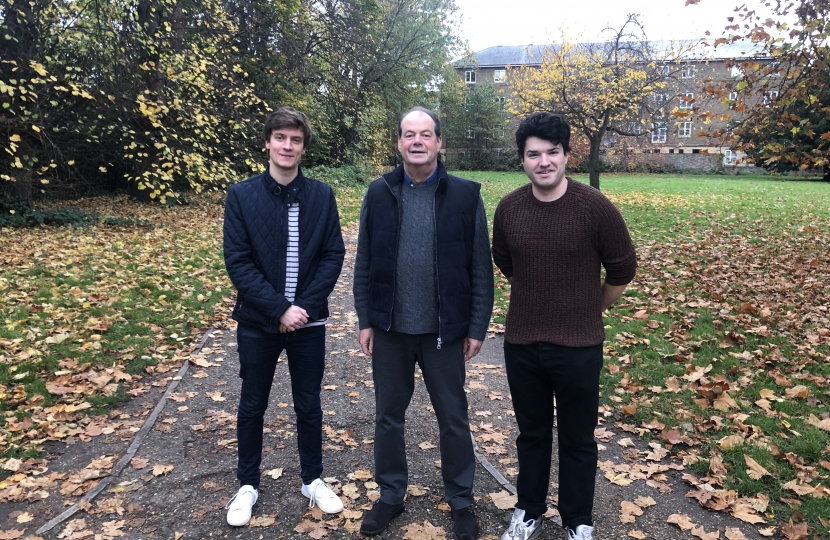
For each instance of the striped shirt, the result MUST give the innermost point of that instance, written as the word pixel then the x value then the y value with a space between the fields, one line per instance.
pixel 292 257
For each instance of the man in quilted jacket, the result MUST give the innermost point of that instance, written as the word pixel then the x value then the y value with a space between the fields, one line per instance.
pixel 283 252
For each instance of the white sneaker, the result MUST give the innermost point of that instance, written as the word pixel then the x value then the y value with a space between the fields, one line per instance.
pixel 239 507
pixel 582 532
pixel 519 529
pixel 322 496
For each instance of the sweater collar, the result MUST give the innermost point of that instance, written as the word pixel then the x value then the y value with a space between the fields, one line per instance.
pixel 396 177
pixel 291 190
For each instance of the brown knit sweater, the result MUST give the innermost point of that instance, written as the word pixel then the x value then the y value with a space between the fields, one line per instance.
pixel 553 252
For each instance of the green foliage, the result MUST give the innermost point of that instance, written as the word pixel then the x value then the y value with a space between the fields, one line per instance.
pixel 345 176
pixel 15 213
pixel 782 108
pixel 162 96
pixel 476 127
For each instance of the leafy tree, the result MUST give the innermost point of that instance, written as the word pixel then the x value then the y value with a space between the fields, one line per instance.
pixel 476 121
pixel 781 117
pixel 602 88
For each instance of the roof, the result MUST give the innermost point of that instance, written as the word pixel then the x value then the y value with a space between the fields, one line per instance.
pixel 532 54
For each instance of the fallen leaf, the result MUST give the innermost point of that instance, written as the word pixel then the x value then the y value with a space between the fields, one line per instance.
pixel 755 470
pixel 682 521
pixel 139 462
pixel 159 469
pixel 792 531
pixel 504 500
pixel 426 445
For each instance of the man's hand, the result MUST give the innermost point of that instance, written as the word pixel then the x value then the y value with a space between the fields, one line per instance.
pixel 293 318
pixel 471 348
pixel 367 340
pixel 610 294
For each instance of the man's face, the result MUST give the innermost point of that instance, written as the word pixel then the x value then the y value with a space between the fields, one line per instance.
pixel 418 144
pixel 285 148
pixel 544 163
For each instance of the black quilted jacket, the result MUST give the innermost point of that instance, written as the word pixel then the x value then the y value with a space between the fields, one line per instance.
pixel 256 237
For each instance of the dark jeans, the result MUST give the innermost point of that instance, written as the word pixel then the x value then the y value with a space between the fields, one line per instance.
pixel 536 373
pixel 258 353
pixel 393 369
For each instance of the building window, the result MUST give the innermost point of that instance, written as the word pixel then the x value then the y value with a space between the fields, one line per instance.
pixel 663 70
pixel 660 97
pixel 498 132
pixel 499 76
pixel 684 129
pixel 733 96
pixel 470 133
pixel 686 100
pixel 774 69
pixel 466 103
pixel 729 157
pixel 688 72
pixel 769 97
pixel 501 100
pixel 635 127
pixel 470 77
pixel 736 72
pixel 658 134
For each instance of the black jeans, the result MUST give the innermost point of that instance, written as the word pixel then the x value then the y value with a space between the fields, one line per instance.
pixel 536 373
pixel 258 353
pixel 393 369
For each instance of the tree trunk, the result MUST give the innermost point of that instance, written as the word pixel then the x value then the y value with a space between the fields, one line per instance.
pixel 593 162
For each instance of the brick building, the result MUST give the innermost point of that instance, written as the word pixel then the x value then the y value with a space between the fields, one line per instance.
pixel 677 143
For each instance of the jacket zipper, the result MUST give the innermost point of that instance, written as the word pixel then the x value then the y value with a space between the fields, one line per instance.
pixel 437 278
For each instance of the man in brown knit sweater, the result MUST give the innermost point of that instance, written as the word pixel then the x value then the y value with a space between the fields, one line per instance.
pixel 550 239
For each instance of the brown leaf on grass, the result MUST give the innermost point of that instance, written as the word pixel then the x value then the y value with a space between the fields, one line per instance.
pixel 755 470
pixel 730 441
pixel 423 531
pixel 733 533
pixel 724 402
pixel 630 409
pixel 682 521
pixel 821 424
pixel 797 392
pixel 768 532
pixel 504 500
pixel 799 488
pixel 743 511
pixel 792 531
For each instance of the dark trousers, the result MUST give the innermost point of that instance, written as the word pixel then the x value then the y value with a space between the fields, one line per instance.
pixel 393 369
pixel 258 353
pixel 536 373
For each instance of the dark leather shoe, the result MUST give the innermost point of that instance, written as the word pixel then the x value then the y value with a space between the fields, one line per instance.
pixel 465 524
pixel 378 518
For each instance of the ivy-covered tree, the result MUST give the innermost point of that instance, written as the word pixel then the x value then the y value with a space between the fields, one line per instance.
pixel 781 114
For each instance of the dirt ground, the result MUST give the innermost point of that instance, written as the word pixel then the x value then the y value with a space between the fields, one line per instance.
pixel 179 479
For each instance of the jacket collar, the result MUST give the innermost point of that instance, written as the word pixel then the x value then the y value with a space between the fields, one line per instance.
pixel 395 179
pixel 291 190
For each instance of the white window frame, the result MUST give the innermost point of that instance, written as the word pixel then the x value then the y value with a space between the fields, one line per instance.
pixel 729 157
pixel 688 72
pixel 769 97
pixel 502 101
pixel 663 70
pixel 684 104
pixel 736 72
pixel 499 75
pixel 733 96
pixel 684 130
pixel 635 127
pixel 470 133
pixel 658 134
pixel 660 97
pixel 498 132
pixel 470 77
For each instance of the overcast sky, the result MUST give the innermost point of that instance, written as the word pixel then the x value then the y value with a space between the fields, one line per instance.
pixel 486 23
